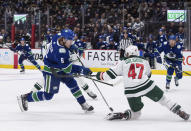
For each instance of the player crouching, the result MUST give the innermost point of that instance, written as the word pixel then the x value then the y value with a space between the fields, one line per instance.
pixel 137 84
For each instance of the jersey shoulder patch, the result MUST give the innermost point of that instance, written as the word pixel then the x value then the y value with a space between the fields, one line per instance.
pixel 178 46
pixel 62 50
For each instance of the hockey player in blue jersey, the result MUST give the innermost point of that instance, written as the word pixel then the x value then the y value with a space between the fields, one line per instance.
pixel 26 54
pixel 172 59
pixel 75 49
pixel 57 58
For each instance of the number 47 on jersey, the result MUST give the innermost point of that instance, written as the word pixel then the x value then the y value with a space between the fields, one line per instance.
pixel 132 72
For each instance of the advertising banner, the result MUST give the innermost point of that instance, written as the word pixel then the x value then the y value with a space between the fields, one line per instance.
pixel 6 57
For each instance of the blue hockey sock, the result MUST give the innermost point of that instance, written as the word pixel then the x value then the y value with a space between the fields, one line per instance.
pixel 168 78
pixel 22 66
pixel 78 95
pixel 39 96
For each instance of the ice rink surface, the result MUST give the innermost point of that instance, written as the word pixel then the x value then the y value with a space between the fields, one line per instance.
pixel 63 113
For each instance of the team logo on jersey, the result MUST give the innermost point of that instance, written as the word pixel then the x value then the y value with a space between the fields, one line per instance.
pixel 179 47
pixel 62 50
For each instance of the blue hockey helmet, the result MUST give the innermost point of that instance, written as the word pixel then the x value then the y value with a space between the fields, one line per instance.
pixel 22 39
pixel 172 37
pixel 67 34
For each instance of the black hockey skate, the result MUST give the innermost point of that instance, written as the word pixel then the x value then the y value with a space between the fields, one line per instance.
pixel 115 116
pixel 22 71
pixel 92 95
pixel 119 115
pixel 176 81
pixel 86 107
pixel 23 103
pixel 167 86
pixel 177 110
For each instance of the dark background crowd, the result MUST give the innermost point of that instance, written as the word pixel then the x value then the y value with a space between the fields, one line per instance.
pixel 90 18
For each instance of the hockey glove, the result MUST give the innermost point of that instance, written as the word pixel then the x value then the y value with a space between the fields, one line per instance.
pixel 159 60
pixel 73 48
pixel 86 71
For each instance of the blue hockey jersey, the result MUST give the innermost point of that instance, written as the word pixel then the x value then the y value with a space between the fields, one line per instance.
pixel 171 54
pixel 25 50
pixel 58 57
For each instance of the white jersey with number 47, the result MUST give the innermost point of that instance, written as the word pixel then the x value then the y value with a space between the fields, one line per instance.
pixel 136 72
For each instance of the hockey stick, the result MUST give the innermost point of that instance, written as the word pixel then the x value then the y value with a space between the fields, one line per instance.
pixel 110 108
pixel 76 75
pixel 186 73
pixel 176 69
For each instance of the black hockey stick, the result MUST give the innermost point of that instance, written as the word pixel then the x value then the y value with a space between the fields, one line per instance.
pixel 110 108
pixel 77 75
pixel 186 73
pixel 177 69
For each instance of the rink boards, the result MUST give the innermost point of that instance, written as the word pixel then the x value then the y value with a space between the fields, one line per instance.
pixel 97 60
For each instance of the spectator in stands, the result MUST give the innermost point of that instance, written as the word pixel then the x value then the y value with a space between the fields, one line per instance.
pixel 149 52
pixel 2 44
pixel 112 45
pixel 4 35
pixel 102 44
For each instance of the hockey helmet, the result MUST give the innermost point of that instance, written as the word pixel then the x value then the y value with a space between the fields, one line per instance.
pixel 67 34
pixel 132 50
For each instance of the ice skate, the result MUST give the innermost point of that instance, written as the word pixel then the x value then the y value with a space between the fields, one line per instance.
pixel 177 110
pixel 23 103
pixel 86 107
pixel 92 95
pixel 115 116
pixel 167 86
pixel 22 71
pixel 176 81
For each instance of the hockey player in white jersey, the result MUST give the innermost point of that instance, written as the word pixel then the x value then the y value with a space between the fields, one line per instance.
pixel 137 84
pixel 74 59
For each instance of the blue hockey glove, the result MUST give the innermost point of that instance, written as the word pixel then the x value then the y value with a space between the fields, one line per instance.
pixel 73 48
pixel 159 60
pixel 86 71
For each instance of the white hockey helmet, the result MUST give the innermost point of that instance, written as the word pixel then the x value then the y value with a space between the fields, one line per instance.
pixel 132 50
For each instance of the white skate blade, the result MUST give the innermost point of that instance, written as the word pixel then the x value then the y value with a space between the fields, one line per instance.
pixel 20 103
pixel 88 112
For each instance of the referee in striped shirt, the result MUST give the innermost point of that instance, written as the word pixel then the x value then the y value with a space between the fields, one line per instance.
pixel 124 43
